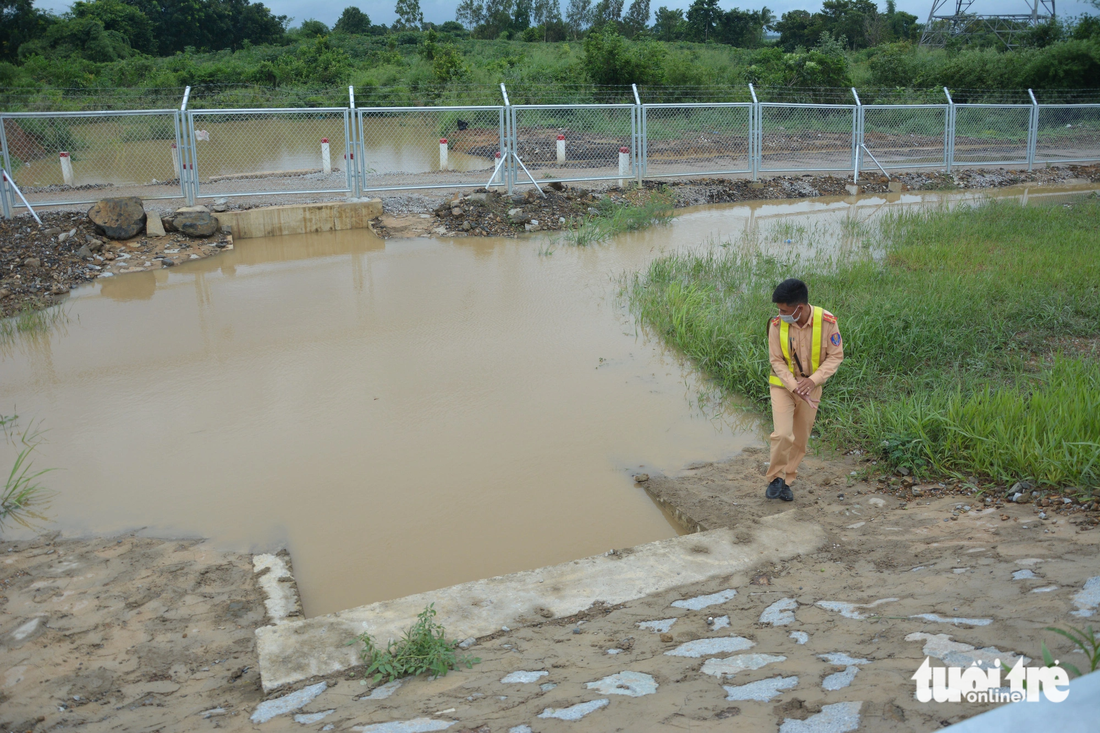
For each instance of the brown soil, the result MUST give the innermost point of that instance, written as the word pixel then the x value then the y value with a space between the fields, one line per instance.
pixel 140 634
pixel 37 270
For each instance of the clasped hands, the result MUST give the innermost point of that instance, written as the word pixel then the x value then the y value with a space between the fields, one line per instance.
pixel 805 388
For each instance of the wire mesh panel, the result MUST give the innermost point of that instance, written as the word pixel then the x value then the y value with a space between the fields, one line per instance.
pixel 991 134
pixel 696 139
pixel 1068 133
pixel 906 136
pixel 81 157
pixel 562 142
pixel 251 152
pixel 430 147
pixel 806 137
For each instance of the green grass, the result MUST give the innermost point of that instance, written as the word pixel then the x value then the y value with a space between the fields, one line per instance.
pixel 30 321
pixel 23 496
pixel 950 331
pixel 423 648
pixel 618 217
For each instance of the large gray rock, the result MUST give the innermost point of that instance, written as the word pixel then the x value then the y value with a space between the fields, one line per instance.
pixel 119 218
pixel 196 223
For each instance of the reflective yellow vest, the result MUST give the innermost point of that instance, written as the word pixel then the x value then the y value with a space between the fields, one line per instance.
pixel 785 344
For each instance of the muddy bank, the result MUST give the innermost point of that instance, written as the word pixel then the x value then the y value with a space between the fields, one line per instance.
pixel 39 265
pixel 136 634
pixel 563 206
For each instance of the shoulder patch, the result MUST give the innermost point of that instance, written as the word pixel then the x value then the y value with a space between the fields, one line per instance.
pixel 775 321
pixel 835 338
pixel 828 317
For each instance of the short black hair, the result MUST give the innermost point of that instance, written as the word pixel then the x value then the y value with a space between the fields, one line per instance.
pixel 792 291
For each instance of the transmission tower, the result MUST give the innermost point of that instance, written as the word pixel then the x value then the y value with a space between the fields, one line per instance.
pixel 942 27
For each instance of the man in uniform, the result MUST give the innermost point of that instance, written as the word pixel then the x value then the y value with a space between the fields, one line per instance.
pixel 805 349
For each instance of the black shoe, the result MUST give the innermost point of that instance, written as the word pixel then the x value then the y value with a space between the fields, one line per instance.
pixel 775 488
pixel 785 493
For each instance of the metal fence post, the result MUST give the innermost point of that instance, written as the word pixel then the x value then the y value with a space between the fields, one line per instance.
pixel 857 136
pixel 755 141
pixel 6 199
pixel 1033 130
pixel 638 152
pixel 510 150
pixel 186 145
pixel 351 130
pixel 949 132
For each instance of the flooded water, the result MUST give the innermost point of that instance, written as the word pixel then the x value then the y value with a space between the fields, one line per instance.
pixel 402 415
pixel 139 149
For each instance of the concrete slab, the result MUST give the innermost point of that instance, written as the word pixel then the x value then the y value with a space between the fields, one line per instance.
pixel 936 618
pixel 275 221
pixel 710 647
pixel 840 717
pixel 519 677
pixel 740 663
pixel 383 691
pixel 761 690
pixel 575 712
pixel 719 623
pixel 1078 713
pixel 416 725
pixel 959 654
pixel 842 659
pixel 1088 598
pixel 631 684
pixel 297 650
pixel 311 718
pixel 711 599
pixel 780 613
pixel 800 637
pixel 265 711
pixel 839 680
pixel 660 626
pixel 277 583
pixel 849 610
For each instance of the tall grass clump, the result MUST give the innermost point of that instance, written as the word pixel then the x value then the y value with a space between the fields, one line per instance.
pixel 22 496
pixel 951 334
pixel 616 217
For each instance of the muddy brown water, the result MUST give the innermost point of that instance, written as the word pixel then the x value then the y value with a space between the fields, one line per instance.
pixel 402 415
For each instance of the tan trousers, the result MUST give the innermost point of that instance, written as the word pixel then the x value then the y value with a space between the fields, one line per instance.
pixel 793 420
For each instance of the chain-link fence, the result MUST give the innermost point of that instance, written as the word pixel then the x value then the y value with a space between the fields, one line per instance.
pixel 562 142
pixel 217 148
pixel 270 151
pixel 430 147
pixel 806 137
pixel 696 139
pixel 81 157
pixel 905 136
pixel 1067 133
pixel 991 134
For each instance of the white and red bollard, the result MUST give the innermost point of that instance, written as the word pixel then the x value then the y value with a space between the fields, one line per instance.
pixel 175 160
pixel 326 156
pixel 624 166
pixel 66 168
pixel 442 153
pixel 561 149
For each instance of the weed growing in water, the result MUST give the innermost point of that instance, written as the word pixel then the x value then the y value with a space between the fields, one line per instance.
pixel 31 321
pixel 423 648
pixel 22 494
pixel 618 217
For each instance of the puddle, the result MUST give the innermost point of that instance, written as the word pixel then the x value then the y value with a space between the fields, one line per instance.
pixel 402 415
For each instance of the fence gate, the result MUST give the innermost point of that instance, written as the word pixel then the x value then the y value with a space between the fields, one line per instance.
pixel 806 137
pixel 81 157
pixel 430 147
pixel 576 142
pixel 696 139
pixel 257 152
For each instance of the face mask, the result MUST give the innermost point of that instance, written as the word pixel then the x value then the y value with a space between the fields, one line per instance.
pixel 791 318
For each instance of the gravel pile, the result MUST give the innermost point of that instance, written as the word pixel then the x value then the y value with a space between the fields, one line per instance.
pixel 39 265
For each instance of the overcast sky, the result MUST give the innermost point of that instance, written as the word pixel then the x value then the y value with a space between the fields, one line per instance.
pixel 440 11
